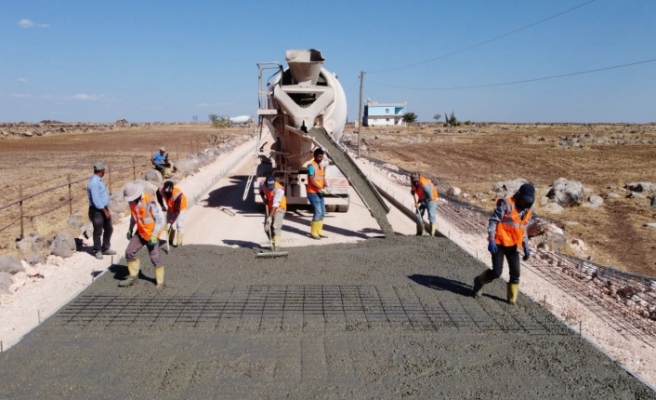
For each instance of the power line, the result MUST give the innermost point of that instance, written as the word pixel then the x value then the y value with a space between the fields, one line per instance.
pixel 518 82
pixel 485 42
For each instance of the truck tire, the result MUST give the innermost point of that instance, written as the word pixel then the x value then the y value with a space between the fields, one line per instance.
pixel 331 207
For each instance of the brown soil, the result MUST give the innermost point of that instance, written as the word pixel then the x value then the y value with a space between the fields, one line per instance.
pixel 603 157
pixel 30 165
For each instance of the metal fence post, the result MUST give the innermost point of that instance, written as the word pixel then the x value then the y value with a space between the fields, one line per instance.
pixel 70 196
pixel 134 170
pixel 20 205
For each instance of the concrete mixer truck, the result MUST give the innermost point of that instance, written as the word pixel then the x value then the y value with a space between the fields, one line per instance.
pixel 292 101
pixel 303 107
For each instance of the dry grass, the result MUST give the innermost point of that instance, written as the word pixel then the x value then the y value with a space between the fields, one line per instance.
pixel 30 165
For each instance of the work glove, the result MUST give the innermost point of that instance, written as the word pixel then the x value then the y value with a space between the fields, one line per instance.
pixel 492 247
pixel 267 226
pixel 416 205
pixel 153 240
pixel 129 234
pixel 527 252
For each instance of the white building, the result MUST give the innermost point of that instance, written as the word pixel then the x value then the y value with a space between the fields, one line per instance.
pixel 383 114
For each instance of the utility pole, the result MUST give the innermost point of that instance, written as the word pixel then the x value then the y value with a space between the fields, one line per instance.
pixel 360 112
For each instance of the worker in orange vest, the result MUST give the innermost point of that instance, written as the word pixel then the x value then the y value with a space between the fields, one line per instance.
pixel 317 187
pixel 174 202
pixel 425 195
pixel 273 195
pixel 148 218
pixel 507 232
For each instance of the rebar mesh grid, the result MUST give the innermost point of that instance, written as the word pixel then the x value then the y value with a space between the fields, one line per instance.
pixel 353 307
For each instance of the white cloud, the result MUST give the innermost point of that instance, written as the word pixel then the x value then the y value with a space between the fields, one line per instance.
pixel 87 97
pixel 27 24
pixel 20 95
pixel 23 80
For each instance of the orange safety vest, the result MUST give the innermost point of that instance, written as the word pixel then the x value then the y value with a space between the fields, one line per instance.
pixel 170 201
pixel 510 230
pixel 419 190
pixel 269 194
pixel 143 217
pixel 319 178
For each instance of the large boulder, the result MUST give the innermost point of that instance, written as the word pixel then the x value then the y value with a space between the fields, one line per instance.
pixel 10 264
pixel 153 175
pixel 5 283
pixel 566 193
pixel 75 220
pixel 641 187
pixel 509 188
pixel 63 245
pixel 553 208
pixel 33 242
pixel 454 191
pixel 187 166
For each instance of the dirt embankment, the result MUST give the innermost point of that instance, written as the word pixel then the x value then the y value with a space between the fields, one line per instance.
pixel 604 157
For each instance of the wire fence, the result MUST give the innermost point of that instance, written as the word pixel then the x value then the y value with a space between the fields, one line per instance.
pixel 64 196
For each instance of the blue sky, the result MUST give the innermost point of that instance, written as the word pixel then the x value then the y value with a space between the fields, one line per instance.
pixel 148 61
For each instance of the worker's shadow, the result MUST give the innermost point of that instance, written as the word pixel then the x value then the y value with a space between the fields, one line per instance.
pixel 225 197
pixel 121 272
pixel 328 228
pixel 244 243
pixel 440 283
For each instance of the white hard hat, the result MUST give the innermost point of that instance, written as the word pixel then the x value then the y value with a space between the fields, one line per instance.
pixel 132 191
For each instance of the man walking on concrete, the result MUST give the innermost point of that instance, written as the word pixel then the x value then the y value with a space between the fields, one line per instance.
pixel 174 202
pixel 425 195
pixel 99 213
pixel 273 195
pixel 506 234
pixel 147 217
pixel 316 188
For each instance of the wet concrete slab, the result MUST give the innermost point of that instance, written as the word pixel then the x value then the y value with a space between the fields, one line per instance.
pixel 382 318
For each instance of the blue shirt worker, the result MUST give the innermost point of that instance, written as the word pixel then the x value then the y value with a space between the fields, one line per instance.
pixel 160 161
pixel 425 194
pixel 317 187
pixel 99 213
pixel 507 232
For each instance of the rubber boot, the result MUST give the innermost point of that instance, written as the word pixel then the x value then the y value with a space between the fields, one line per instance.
pixel 133 268
pixel 433 228
pixel 276 241
pixel 159 277
pixel 513 291
pixel 479 282
pixel 320 230
pixel 172 238
pixel 180 235
pixel 314 228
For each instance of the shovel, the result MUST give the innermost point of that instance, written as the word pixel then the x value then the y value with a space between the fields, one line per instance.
pixel 420 222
